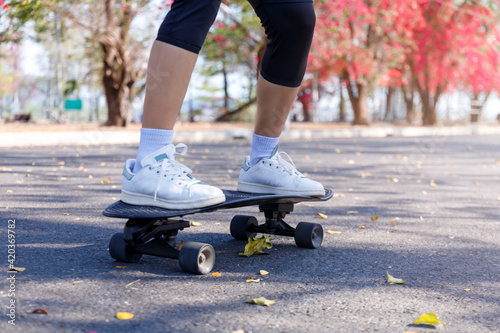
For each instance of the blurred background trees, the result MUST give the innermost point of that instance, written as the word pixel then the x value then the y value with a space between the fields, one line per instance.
pixel 407 61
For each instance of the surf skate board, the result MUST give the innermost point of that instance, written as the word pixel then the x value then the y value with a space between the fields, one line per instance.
pixel 153 230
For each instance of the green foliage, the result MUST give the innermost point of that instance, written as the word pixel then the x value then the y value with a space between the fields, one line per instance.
pixel 14 14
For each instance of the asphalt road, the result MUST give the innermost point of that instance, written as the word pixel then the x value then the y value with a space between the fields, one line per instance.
pixel 438 205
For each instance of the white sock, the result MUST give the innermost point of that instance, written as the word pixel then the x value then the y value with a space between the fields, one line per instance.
pixel 151 140
pixel 262 147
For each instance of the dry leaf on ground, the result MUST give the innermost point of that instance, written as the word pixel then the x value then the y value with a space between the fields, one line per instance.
pixel 392 280
pixel 255 246
pixel 333 232
pixel 124 315
pixel 428 319
pixel 262 301
pixel 323 216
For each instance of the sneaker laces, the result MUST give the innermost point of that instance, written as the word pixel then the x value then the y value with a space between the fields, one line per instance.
pixel 170 167
pixel 288 166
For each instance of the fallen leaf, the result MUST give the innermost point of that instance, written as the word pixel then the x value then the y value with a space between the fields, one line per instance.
pixel 467 289
pixel 216 274
pixel 395 220
pixel 66 214
pixel 124 315
pixel 104 181
pixel 104 164
pixel 392 280
pixel 180 245
pixel 374 218
pixel 253 280
pixel 352 212
pixel 333 232
pixel 362 227
pixel 60 163
pixel 427 318
pixel 424 192
pixel 394 180
pixel 255 246
pixel 323 216
pixel 78 219
pixel 262 301
pixel 351 162
pixel 475 182
pixel 40 311
pixel 433 183
pixel 338 195
pixel 121 266
pixel 9 191
pixel 194 224
pixel 17 269
pixel 263 272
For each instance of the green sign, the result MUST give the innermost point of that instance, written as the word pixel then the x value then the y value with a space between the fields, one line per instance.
pixel 73 104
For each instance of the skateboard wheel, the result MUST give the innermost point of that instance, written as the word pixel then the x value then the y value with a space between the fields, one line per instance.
pixel 121 251
pixel 239 227
pixel 308 235
pixel 197 258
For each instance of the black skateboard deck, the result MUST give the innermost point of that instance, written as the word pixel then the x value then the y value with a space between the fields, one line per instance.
pixel 153 230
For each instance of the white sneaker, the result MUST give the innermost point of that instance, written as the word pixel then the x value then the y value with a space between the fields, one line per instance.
pixel 166 183
pixel 276 176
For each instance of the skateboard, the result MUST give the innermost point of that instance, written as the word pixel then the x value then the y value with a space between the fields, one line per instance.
pixel 153 230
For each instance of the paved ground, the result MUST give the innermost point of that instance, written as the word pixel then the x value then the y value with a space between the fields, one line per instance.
pixel 446 243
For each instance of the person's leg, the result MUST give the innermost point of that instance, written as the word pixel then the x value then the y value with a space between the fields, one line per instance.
pixel 155 178
pixel 289 25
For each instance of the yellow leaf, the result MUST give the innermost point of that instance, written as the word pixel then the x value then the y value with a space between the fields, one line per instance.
pixel 323 216
pixel 392 280
pixel 262 301
pixel 194 224
pixel 352 212
pixel 253 280
pixel 333 232
pixel 105 181
pixel 374 218
pixel 255 246
pixel 17 269
pixel 9 191
pixel 433 183
pixel 124 315
pixel 362 227
pixel 395 220
pixel 121 266
pixel 216 274
pixel 180 244
pixel 263 272
pixel 427 318
pixel 467 289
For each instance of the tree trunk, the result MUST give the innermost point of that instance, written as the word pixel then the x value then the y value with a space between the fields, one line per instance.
pixel 410 108
pixel 357 96
pixel 115 60
pixel 342 105
pixel 388 102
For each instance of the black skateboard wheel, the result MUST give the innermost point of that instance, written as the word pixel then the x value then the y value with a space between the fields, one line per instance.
pixel 308 235
pixel 121 251
pixel 239 227
pixel 197 258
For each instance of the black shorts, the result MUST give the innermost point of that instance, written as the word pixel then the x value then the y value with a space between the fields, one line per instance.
pixel 289 26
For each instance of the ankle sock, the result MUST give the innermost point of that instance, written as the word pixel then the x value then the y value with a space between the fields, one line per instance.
pixel 151 140
pixel 262 147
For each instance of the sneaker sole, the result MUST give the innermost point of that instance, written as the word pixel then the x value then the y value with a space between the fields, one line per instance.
pixel 263 189
pixel 145 200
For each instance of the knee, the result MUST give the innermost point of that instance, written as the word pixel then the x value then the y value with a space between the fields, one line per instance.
pixel 295 20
